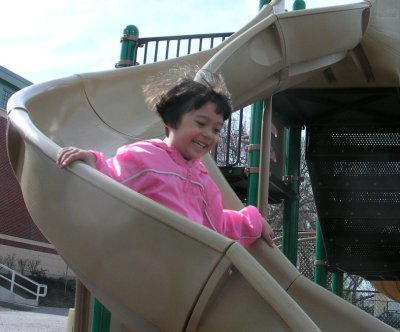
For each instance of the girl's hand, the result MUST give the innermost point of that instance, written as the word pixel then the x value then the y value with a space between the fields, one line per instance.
pixel 268 234
pixel 70 154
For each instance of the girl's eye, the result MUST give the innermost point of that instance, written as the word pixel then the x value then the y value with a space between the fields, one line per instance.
pixel 200 124
pixel 217 131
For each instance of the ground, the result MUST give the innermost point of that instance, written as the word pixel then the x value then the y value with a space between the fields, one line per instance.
pixel 23 319
pixel 50 316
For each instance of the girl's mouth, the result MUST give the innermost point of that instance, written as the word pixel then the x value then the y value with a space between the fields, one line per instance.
pixel 201 145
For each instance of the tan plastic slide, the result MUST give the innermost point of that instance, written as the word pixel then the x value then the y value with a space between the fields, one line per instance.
pixel 152 268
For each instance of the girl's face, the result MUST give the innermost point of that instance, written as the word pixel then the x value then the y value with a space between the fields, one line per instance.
pixel 197 132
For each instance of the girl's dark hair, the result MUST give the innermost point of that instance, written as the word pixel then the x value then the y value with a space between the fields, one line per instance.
pixel 190 94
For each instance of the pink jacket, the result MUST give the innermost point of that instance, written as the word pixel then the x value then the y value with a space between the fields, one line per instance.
pixel 162 174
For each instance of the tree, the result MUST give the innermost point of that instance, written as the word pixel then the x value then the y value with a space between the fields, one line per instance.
pixel 307 208
pixel 230 150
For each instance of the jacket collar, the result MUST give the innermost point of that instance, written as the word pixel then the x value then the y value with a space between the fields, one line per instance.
pixel 177 156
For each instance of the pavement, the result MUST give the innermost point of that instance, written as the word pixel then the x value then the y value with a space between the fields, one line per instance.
pixel 17 318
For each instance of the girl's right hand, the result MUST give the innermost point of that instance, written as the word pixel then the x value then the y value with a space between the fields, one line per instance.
pixel 268 234
pixel 70 154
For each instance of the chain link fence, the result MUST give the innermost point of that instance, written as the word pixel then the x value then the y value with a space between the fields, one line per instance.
pixel 356 290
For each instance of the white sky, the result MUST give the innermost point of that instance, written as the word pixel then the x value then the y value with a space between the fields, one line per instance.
pixel 47 39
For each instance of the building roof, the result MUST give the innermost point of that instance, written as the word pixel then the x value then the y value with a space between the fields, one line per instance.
pixel 11 78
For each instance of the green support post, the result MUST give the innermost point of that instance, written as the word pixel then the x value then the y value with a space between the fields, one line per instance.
pixel 320 259
pixel 299 4
pixel 129 45
pixel 262 3
pixel 101 318
pixel 291 206
pixel 254 155
pixel 337 283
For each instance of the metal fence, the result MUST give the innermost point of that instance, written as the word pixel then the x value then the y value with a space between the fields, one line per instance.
pixel 155 49
pixel 19 284
pixel 356 290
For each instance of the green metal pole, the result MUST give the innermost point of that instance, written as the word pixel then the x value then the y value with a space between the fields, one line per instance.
pixel 337 283
pixel 255 138
pixel 129 44
pixel 299 4
pixel 262 3
pixel 291 206
pixel 254 155
pixel 320 259
pixel 101 318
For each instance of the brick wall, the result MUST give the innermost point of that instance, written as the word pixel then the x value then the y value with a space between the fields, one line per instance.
pixel 15 220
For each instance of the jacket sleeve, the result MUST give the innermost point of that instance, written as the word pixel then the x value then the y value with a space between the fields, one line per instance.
pixel 245 225
pixel 123 164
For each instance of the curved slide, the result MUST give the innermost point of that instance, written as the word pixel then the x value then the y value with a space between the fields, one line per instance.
pixel 152 268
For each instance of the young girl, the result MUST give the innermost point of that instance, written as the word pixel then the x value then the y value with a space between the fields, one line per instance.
pixel 169 171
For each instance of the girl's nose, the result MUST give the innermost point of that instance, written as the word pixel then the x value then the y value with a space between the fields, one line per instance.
pixel 207 132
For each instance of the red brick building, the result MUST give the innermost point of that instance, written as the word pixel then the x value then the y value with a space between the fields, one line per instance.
pixel 19 236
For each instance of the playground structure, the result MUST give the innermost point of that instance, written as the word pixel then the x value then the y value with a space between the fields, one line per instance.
pixel 195 279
